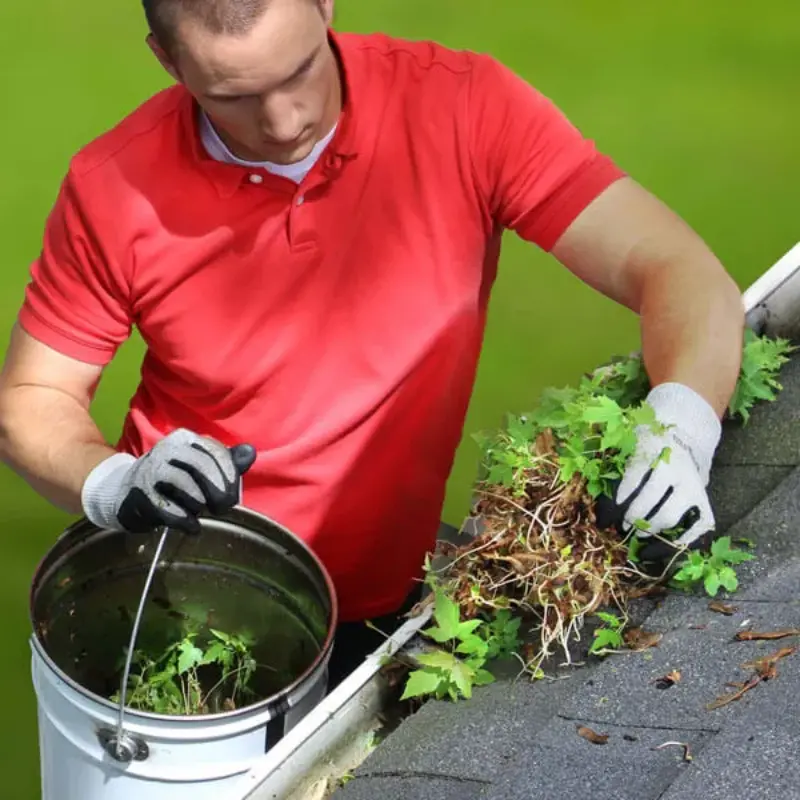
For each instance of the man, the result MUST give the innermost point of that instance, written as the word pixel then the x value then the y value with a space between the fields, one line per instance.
pixel 305 230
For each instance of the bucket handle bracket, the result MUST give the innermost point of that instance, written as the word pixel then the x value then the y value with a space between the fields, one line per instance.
pixel 123 748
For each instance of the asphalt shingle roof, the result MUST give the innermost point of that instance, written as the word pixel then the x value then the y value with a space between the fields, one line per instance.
pixel 517 739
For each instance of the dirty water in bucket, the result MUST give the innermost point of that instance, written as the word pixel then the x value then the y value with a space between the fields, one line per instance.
pixel 85 619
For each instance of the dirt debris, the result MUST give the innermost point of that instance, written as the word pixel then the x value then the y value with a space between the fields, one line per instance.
pixel 687 754
pixel 668 680
pixel 766 668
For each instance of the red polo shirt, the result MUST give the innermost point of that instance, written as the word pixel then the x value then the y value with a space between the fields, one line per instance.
pixel 335 325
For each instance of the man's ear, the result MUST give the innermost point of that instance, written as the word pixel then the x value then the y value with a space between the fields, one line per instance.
pixel 163 57
pixel 326 6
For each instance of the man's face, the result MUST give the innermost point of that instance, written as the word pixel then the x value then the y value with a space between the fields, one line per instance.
pixel 272 93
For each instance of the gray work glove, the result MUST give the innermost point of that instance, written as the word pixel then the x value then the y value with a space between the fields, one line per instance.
pixel 182 476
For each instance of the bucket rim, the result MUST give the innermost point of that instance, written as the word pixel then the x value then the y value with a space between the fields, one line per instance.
pixel 278 703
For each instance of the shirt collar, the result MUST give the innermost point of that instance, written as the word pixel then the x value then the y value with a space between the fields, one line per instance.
pixel 227 178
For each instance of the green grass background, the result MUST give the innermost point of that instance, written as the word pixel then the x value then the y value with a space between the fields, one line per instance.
pixel 696 100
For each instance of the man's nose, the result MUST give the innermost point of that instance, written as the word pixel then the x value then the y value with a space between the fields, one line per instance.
pixel 280 119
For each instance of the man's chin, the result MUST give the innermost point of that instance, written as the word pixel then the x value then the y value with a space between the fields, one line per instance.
pixel 285 159
pixel 286 155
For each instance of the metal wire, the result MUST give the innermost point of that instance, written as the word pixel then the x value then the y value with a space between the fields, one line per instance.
pixel 134 635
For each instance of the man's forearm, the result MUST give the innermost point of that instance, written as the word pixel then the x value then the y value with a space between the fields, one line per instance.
pixel 692 322
pixel 50 440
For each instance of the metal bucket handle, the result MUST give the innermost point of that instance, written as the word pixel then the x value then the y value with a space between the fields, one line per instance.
pixel 119 744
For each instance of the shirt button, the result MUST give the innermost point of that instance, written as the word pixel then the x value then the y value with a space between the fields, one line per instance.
pixel 301 200
pixel 256 179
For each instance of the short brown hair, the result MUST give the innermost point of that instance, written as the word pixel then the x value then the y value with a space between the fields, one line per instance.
pixel 233 17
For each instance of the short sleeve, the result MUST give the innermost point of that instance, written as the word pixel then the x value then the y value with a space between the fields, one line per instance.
pixel 535 170
pixel 76 300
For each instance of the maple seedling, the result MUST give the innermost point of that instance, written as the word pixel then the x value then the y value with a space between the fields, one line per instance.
pixel 609 636
pixel 453 669
pixel 714 570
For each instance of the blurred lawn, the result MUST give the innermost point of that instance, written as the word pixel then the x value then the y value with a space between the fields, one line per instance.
pixel 695 100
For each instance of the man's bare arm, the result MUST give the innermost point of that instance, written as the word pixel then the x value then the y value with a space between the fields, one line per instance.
pixel 631 247
pixel 47 435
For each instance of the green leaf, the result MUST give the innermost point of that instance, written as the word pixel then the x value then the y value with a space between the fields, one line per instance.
pixel 439 660
pixel 191 656
pixel 738 557
pixel 462 676
pixel 474 645
pixel 422 682
pixel 482 677
pixel 712 583
pixel 634 546
pixel 643 414
pixel 610 619
pixel 602 410
pixel 664 456
pixel 466 629
pixel 446 613
pixel 437 634
pixel 605 637
pixel 721 547
pixel 215 652
pixel 727 577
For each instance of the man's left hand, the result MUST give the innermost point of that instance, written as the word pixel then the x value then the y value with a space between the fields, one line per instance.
pixel 665 480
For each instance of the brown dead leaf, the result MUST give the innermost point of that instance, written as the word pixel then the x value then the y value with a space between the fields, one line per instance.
pixel 639 639
pixel 670 679
pixel 721 608
pixel 753 636
pixel 592 736
pixel 766 666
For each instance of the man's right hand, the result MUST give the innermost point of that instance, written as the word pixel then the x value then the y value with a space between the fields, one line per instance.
pixel 182 476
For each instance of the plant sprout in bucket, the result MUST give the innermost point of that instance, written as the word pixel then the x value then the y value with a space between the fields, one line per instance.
pixel 189 679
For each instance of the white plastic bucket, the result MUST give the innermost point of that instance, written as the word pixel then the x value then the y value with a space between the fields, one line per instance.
pixel 165 757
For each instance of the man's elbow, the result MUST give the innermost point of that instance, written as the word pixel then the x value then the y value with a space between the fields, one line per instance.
pixel 692 270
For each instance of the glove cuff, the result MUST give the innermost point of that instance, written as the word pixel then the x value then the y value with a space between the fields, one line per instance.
pixel 696 424
pixel 101 490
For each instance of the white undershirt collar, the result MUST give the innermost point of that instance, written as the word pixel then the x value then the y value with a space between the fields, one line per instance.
pixel 296 172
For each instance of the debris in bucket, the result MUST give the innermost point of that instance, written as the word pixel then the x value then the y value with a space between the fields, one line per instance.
pixel 188 679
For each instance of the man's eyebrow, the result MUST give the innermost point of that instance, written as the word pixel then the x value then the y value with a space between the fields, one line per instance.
pixel 302 68
pixel 306 64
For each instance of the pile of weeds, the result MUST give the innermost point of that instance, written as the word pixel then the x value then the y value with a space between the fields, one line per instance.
pixel 540 553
